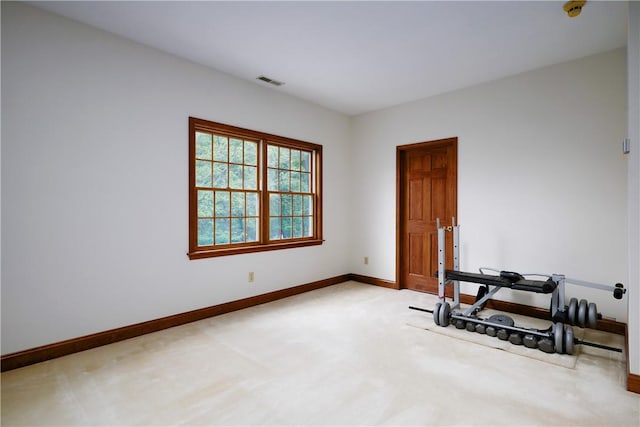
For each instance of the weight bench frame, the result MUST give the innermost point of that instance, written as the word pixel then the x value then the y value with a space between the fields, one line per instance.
pixel 558 313
pixel 554 284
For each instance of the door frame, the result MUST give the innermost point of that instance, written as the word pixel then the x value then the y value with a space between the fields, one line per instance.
pixel 401 151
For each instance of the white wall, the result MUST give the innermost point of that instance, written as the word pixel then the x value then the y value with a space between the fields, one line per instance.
pixel 94 182
pixel 541 178
pixel 633 66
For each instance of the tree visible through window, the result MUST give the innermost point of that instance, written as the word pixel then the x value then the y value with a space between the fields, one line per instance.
pixel 227 189
pixel 251 191
pixel 290 195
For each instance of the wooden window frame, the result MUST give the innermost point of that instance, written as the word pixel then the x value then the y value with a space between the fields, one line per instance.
pixel 263 243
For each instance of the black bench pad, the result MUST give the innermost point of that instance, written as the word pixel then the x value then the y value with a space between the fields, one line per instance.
pixel 537 286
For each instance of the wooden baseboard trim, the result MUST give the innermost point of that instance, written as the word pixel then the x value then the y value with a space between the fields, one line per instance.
pixel 373 281
pixel 633 383
pixel 75 345
pixel 633 380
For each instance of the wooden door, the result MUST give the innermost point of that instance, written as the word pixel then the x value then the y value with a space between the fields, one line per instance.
pixel 427 177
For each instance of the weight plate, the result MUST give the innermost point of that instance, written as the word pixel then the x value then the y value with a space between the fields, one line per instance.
pixel 592 315
pixel 546 345
pixel 491 331
pixel 572 313
pixel 582 313
pixel 503 335
pixel 471 326
pixel 481 329
pixel 568 340
pixel 460 324
pixel 436 313
pixel 501 319
pixel 515 338
pixel 530 341
pixel 558 337
pixel 443 316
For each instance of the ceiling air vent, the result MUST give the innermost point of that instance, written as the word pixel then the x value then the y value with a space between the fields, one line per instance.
pixel 270 81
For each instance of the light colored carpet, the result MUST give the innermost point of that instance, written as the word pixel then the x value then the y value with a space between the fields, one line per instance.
pixel 343 355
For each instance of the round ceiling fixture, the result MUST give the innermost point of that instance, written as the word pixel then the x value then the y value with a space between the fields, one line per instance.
pixel 573 7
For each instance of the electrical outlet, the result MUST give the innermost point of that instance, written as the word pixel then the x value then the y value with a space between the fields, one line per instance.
pixel 366 260
pixel 251 276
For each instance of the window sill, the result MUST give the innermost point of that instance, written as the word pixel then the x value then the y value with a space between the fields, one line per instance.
pixel 250 249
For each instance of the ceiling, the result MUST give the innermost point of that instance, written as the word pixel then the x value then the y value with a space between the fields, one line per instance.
pixel 359 56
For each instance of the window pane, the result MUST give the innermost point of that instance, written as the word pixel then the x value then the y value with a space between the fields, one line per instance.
pixel 286 205
pixel 286 228
pixel 297 205
pixel 235 176
pixel 220 175
pixel 297 227
pixel 222 204
pixel 203 145
pixel 205 203
pixel 236 151
pixel 284 158
pixel 272 180
pixel 203 173
pixel 237 230
pixel 274 204
pixel 220 148
pixel 222 231
pixel 252 230
pixel 307 206
pixel 252 204
pixel 205 232
pixel 284 180
pixel 305 161
pixel 274 229
pixel 272 156
pixel 305 182
pixel 250 178
pixel 308 226
pixel 295 160
pixel 295 181
pixel 250 153
pixel 237 204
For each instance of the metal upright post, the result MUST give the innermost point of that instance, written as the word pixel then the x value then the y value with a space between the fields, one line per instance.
pixel 456 262
pixel 559 279
pixel 441 260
